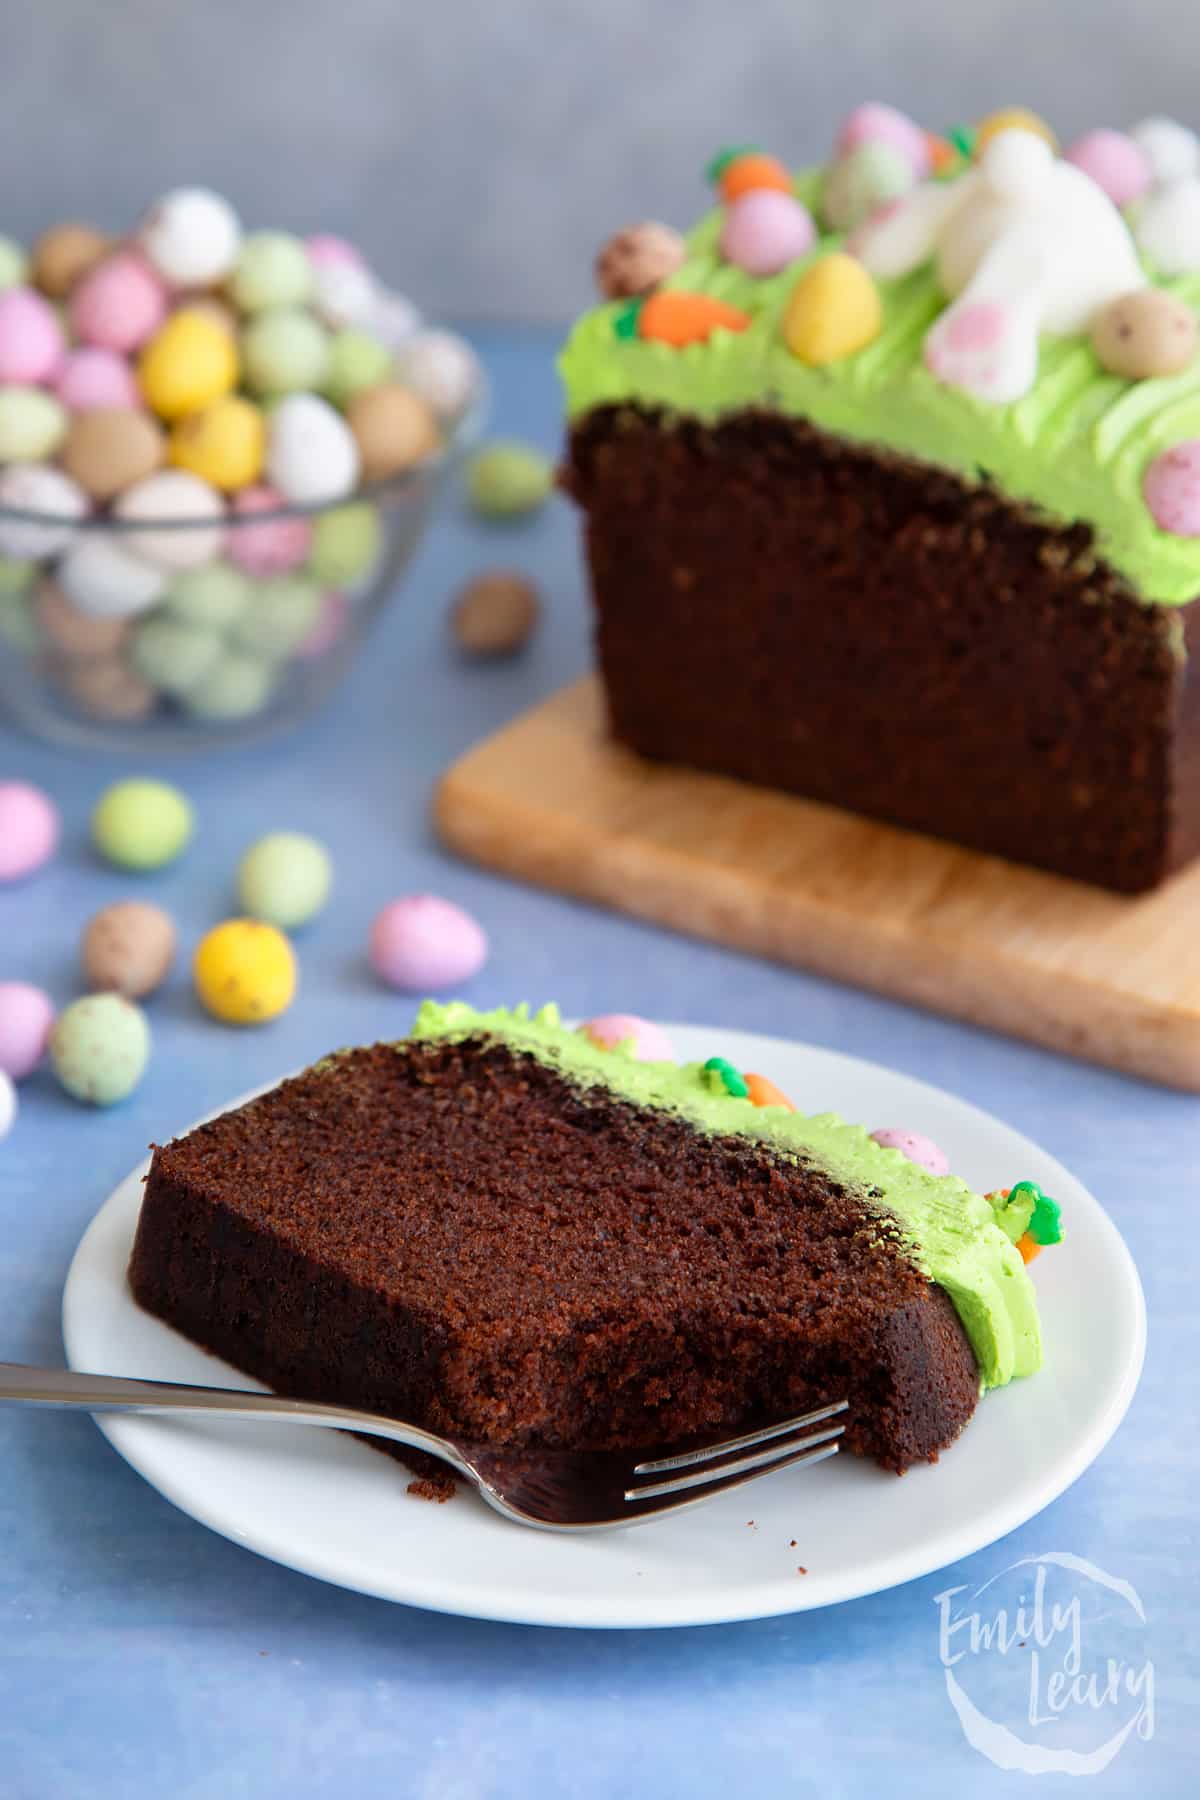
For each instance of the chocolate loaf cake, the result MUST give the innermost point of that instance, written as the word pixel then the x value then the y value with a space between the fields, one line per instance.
pixel 913 530
pixel 498 1230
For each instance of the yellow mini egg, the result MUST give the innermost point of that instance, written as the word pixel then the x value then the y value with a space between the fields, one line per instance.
pixel 225 444
pixel 834 310
pixel 188 363
pixel 1010 118
pixel 245 972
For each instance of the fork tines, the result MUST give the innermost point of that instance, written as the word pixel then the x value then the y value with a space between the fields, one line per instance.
pixel 727 1465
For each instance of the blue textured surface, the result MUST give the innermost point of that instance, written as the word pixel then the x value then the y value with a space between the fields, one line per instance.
pixel 140 1654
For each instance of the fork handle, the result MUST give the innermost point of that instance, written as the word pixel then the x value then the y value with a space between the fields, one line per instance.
pixel 66 1389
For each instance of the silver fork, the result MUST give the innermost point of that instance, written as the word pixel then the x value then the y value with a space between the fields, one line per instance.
pixel 555 1490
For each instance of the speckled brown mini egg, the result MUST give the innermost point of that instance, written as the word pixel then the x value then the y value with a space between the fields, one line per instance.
pixel 393 428
pixel 128 948
pixel 107 450
pixel 635 260
pixel 64 253
pixel 1144 334
pixel 75 635
pixel 107 688
pixel 495 614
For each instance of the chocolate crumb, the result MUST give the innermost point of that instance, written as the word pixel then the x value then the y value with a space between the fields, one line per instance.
pixel 438 1488
pixel 800 1569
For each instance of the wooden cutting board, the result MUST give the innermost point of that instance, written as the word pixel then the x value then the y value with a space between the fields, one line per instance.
pixel 552 801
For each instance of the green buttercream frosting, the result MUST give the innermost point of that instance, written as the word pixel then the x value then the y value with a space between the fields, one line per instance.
pixel 1076 446
pixel 950 1232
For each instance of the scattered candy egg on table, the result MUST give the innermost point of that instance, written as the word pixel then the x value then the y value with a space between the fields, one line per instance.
pixel 442 368
pixel 236 687
pixel 762 1092
pixel 495 614
pixel 29 828
pixel 99 1047
pixel 355 360
pixel 739 171
pixel 32 424
pixel 270 546
pixel 834 310
pixel 191 236
pixel 141 824
pixel 1011 118
pixel 31 337
pixel 63 255
pixel 26 1015
pixel 225 443
pixel 245 972
pixel 272 269
pixel 345 544
pixel 119 303
pixel 635 260
pixel 920 1150
pixel 128 948
pixel 861 183
pixel 644 1041
pixel 109 448
pixel 312 454
pixel 34 488
pixel 283 612
pixel 172 496
pixel 394 429
pixel 72 633
pixel 8 1104
pixel 188 363
pixel 13 264
pixel 1172 151
pixel 174 655
pixel 107 689
pixel 1115 162
pixel 1171 489
pixel 506 478
pixel 1146 333
pixel 214 596
pixel 284 350
pixel 285 879
pixel 876 123
pixel 765 230
pixel 100 577
pixel 1167 227
pixel 90 377
pixel 421 944
pixel 343 293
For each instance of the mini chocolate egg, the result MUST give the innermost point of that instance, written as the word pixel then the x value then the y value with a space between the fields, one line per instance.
pixel 344 293
pixel 110 448
pixel 312 454
pixel 393 319
pixel 285 879
pixel 442 368
pixel 346 541
pixel 26 1015
pixel 174 655
pixel 32 424
pixel 283 612
pixel 119 303
pixel 212 307
pixel 495 614
pixel 72 634
pixel 641 1038
pixel 91 378
pixel 58 501
pixel 423 944
pixel 1115 162
pixel 873 122
pixel 1171 489
pixel 329 629
pixel 1167 227
pixel 214 596
pixel 18 627
pixel 31 337
pixel 191 236
pixel 858 184
pixel 141 824
pixel 29 829
pixel 188 363
pixel 16 575
pixel 237 687
pixel 108 689
pixel 14 265
pixel 834 310
pixel 506 478
pixel 266 545
pixel 1144 334
pixel 918 1149
pixel 394 429
pixel 355 361
pixel 99 576
pixel 272 269
pixel 1172 150
pixel 765 230
pixel 192 514
pixel 1011 118
pixel 128 948
pixel 225 444
pixel 64 254
pixel 245 972
pixel 284 350
pixel 635 260
pixel 99 1047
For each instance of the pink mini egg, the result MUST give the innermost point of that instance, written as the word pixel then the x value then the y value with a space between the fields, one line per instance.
pixel 1171 489
pixel 119 304
pixel 329 629
pixel 326 250
pixel 765 230
pixel 875 123
pixel 28 829
pixel 423 944
pixel 647 1042
pixel 91 378
pixel 26 1015
pixel 273 547
pixel 920 1150
pixel 31 337
pixel 1114 162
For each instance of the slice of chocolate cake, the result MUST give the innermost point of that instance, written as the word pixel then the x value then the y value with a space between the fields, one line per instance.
pixel 501 1231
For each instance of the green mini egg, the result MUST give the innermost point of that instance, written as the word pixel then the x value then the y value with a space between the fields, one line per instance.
pixel 15 576
pixel 174 655
pixel 284 878
pixel 356 361
pixel 99 1048
pixel 141 824
pixel 32 424
pixel 236 687
pixel 18 621
pixel 284 350
pixel 215 595
pixel 507 478
pixel 279 618
pixel 272 270
pixel 13 263
pixel 345 543
pixel 859 183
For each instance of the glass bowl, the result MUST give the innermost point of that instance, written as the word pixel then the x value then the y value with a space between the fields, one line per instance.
pixel 199 636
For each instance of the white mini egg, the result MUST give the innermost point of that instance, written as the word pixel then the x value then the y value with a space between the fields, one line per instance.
pixel 191 236
pixel 1167 227
pixel 442 368
pixel 311 453
pixel 1172 150
pixel 344 294
pixel 35 488
pixel 103 579
pixel 173 494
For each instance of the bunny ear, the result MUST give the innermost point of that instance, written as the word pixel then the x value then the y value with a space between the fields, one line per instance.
pixel 907 235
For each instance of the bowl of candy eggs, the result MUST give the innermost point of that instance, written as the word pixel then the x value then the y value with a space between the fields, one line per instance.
pixel 218 451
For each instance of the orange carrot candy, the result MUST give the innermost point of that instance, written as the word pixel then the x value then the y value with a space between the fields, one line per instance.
pixel 675 316
pixel 738 171
pixel 764 1093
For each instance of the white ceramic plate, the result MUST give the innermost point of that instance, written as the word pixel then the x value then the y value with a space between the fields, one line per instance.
pixel 320 1502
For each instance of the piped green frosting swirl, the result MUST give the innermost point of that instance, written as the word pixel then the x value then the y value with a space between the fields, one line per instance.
pixel 950 1232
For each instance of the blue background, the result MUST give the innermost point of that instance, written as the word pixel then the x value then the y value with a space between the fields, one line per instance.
pixel 141 1655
